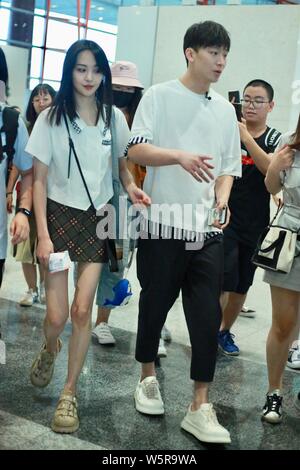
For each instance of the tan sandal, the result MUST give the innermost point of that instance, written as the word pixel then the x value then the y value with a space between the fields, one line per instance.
pixel 42 369
pixel 65 417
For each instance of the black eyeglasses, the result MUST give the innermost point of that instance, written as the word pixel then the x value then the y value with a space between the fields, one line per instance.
pixel 257 103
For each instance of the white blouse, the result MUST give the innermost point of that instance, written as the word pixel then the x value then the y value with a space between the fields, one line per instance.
pixel 50 145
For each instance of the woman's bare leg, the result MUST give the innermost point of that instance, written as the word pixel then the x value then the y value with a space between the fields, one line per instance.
pixel 88 278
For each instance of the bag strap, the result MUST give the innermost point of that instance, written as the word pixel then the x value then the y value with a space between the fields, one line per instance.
pixel 110 244
pixel 114 156
pixel 274 244
pixel 280 206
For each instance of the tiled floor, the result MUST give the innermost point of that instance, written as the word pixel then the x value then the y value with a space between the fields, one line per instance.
pixel 108 417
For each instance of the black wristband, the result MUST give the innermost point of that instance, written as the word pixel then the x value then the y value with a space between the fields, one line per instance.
pixel 24 211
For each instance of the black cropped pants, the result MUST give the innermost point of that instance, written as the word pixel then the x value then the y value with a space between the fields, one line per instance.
pixel 164 267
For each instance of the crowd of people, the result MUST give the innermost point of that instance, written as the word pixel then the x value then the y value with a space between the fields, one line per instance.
pixel 178 144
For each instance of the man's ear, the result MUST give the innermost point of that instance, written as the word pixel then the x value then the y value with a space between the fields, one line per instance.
pixel 189 54
pixel 271 104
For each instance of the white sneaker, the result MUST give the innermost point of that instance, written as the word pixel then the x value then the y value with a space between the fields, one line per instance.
pixel 148 398
pixel 297 401
pixel 42 293
pixel 247 312
pixel 293 361
pixel 204 425
pixel 162 352
pixel 29 298
pixel 103 334
pixel 166 334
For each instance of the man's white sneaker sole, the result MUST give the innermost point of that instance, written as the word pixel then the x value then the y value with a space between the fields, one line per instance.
pixel 202 436
pixel 147 410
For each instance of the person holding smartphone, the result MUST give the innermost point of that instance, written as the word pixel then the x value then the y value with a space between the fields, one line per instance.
pixel 190 164
pixel 249 205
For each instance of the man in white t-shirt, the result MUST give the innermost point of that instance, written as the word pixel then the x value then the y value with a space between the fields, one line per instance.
pixel 187 136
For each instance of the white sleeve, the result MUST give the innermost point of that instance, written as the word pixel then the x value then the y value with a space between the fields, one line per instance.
pixel 231 153
pixel 39 144
pixel 142 130
pixel 122 132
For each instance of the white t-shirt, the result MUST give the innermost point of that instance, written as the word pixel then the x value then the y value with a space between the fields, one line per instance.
pixel 172 116
pixel 50 145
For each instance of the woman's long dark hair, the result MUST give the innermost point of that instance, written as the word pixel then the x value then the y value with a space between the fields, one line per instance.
pixel 65 97
pixel 41 89
pixel 296 137
pixel 137 96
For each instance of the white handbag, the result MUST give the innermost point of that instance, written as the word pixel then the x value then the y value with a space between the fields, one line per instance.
pixel 275 250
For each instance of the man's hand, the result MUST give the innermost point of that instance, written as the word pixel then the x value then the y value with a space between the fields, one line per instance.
pixel 43 251
pixel 19 228
pixel 220 206
pixel 137 195
pixel 244 133
pixel 197 166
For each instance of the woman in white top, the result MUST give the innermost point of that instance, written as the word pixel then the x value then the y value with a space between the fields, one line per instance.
pixel 65 217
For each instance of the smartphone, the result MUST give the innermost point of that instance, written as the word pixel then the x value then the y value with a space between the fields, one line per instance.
pixel 235 100
pixel 223 216
pixel 214 214
pixel 234 96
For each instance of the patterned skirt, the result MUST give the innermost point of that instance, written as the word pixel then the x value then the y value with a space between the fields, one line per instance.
pixel 74 230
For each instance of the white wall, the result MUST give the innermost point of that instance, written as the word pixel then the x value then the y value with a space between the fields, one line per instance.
pixel 265 44
pixel 17 61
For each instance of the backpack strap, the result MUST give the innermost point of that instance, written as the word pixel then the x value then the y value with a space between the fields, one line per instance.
pixel 10 126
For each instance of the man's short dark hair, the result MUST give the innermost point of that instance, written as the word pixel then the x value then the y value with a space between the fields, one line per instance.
pixel 206 34
pixel 258 82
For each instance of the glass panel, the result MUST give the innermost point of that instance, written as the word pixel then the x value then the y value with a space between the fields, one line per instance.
pixel 4 21
pixel 33 82
pixel 61 35
pixel 53 65
pixel 108 42
pixel 36 62
pixel 102 26
pixel 38 31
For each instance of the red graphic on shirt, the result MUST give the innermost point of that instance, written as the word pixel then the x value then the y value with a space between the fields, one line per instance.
pixel 247 160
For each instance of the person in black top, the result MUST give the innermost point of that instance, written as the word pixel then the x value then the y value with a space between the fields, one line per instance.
pixel 249 205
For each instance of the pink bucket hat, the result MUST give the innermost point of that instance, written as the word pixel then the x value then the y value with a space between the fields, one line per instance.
pixel 125 73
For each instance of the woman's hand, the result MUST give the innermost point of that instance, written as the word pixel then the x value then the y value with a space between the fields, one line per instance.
pixel 43 251
pixel 137 195
pixel 19 228
pixel 282 159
